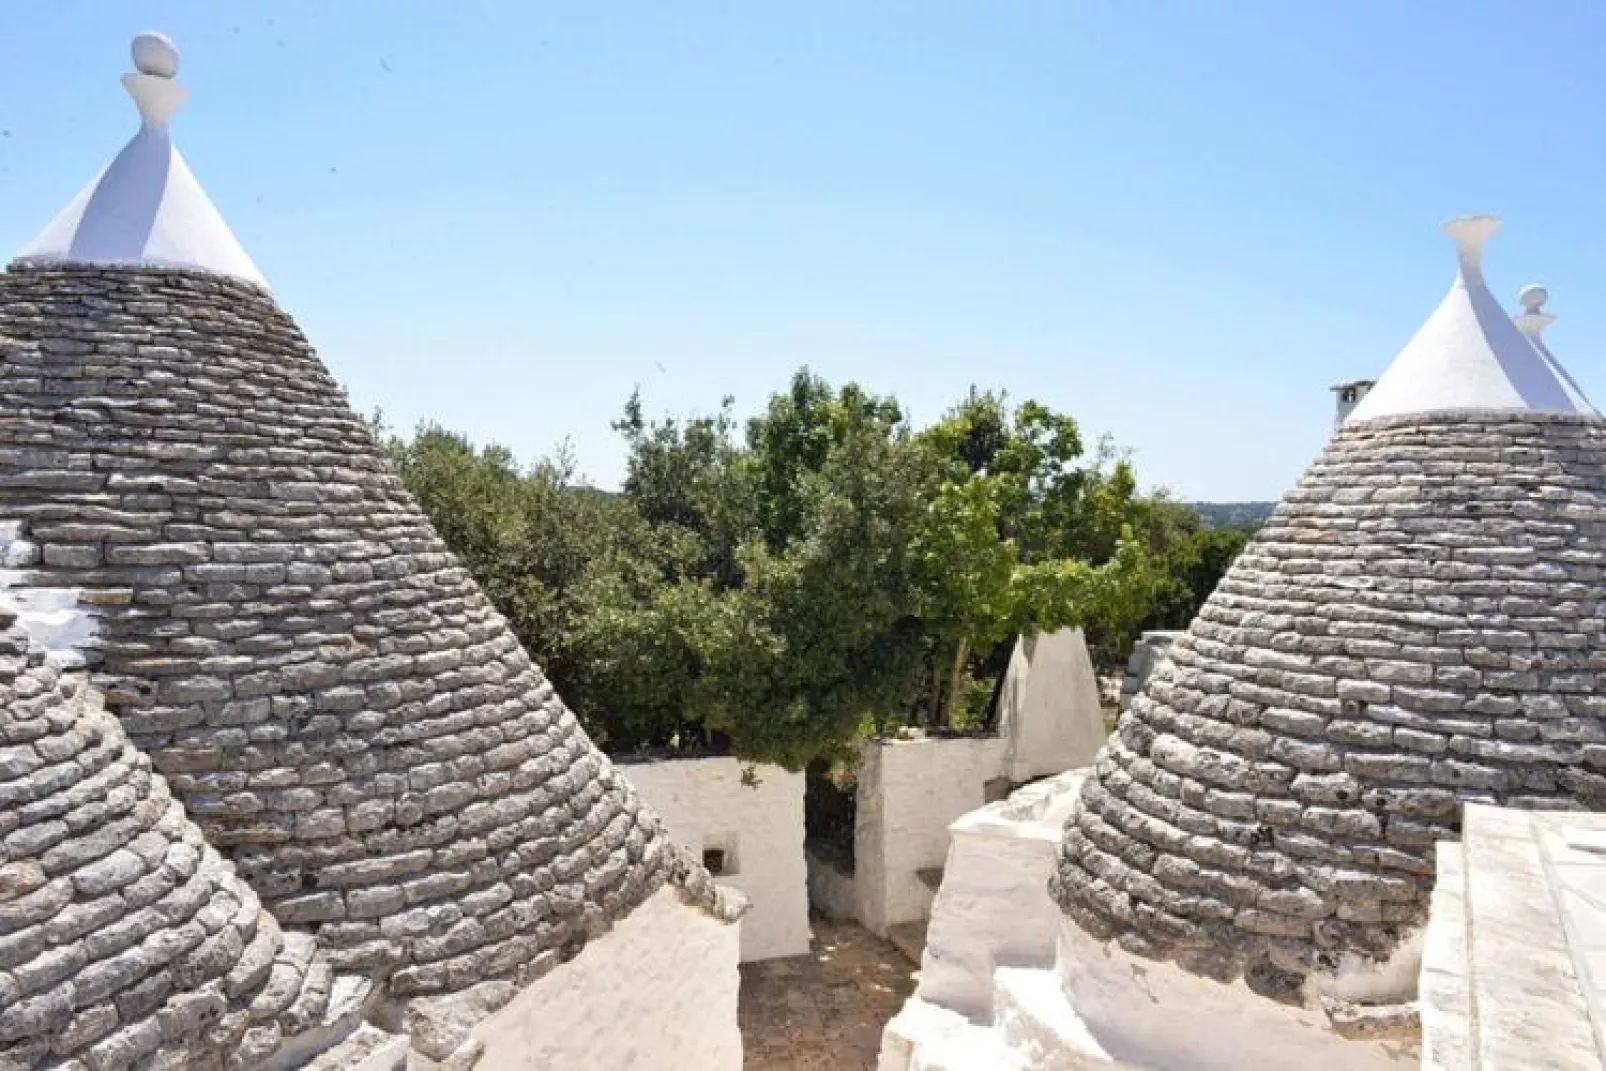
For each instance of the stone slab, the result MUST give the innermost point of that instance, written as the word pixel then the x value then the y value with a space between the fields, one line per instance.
pixel 1514 961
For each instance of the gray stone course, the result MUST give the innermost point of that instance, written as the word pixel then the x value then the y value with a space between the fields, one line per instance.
pixel 1421 622
pixel 124 938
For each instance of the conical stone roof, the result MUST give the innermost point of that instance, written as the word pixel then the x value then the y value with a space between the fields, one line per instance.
pixel 342 712
pixel 1421 622
pixel 124 938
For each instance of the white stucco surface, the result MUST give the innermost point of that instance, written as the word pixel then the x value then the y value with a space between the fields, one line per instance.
pixel 1007 982
pixel 926 1037
pixel 1049 707
pixel 705 804
pixel 993 909
pixel 909 792
pixel 54 618
pixel 658 992
pixel 1156 1015
pixel 1469 354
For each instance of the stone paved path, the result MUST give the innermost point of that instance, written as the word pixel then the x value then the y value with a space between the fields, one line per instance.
pixel 823 1011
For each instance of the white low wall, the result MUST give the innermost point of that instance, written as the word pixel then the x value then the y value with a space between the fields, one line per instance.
pixel 657 991
pixel 757 821
pixel 909 792
pixel 1008 982
pixel 993 909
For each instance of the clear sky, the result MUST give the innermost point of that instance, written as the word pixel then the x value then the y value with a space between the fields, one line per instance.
pixel 1179 221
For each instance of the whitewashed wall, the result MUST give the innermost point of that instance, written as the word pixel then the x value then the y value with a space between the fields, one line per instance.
pixel 1007 981
pixel 993 909
pixel 678 1010
pixel 705 804
pixel 909 792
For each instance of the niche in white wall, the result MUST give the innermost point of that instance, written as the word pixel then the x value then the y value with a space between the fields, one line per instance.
pixel 720 856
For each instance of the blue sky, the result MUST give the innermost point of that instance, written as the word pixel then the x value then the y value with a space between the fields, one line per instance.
pixel 1180 221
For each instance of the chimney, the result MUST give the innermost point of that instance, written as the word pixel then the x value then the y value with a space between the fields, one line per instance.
pixel 1349 396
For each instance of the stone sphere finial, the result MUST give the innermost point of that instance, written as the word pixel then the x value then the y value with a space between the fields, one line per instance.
pixel 1532 298
pixel 155 54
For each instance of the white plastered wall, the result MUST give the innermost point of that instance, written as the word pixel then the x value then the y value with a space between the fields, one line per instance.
pixel 678 1009
pixel 909 792
pixel 758 823
pixel 1008 982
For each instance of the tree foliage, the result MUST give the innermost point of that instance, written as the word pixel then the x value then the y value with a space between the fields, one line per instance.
pixel 782 588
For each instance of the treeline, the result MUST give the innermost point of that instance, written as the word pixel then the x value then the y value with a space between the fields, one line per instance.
pixel 825 572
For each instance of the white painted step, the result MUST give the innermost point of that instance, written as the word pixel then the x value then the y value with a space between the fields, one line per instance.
pixel 1444 991
pixel 970 1048
pixel 1036 1024
pixel 925 1037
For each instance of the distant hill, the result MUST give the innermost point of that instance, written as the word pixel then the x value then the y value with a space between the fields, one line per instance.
pixel 1234 514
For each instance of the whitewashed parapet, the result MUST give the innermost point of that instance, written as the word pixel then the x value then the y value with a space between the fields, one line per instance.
pixel 993 909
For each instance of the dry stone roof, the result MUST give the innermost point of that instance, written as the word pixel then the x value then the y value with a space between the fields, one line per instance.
pixel 1421 622
pixel 356 736
pixel 124 937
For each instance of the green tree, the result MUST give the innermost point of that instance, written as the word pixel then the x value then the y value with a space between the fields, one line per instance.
pixel 822 641
pixel 783 588
pixel 1020 535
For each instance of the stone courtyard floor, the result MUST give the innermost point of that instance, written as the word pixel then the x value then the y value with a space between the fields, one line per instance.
pixel 823 1011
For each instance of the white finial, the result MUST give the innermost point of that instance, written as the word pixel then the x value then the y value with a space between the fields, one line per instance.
pixel 155 54
pixel 1469 233
pixel 1534 319
pixel 153 88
